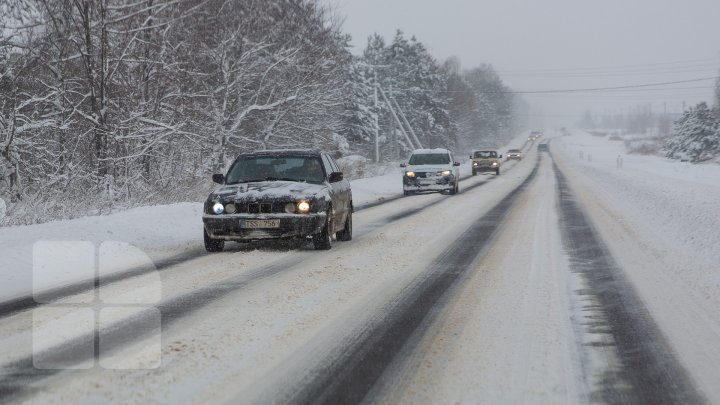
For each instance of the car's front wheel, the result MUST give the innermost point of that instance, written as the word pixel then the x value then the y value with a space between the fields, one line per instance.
pixel 323 239
pixel 213 245
pixel 346 234
pixel 497 171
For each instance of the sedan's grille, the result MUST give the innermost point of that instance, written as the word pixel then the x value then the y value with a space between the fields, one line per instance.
pixel 260 208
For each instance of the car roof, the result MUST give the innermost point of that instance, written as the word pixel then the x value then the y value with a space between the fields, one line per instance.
pixel 283 152
pixel 513 150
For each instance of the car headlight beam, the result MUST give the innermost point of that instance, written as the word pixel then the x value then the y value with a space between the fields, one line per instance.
pixel 218 208
pixel 303 207
pixel 410 174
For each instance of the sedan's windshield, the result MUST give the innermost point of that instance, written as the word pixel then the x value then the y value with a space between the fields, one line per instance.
pixel 429 159
pixel 272 168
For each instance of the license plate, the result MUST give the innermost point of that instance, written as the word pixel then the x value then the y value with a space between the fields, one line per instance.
pixel 260 223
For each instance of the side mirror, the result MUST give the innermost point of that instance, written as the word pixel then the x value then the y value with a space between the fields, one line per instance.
pixel 218 178
pixel 403 164
pixel 471 157
pixel 335 177
pixel 456 164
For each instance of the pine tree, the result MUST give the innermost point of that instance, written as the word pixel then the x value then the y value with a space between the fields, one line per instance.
pixel 696 137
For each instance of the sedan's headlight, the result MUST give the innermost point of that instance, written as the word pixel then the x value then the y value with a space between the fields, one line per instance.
pixel 230 208
pixel 218 208
pixel 303 207
pixel 475 163
pixel 410 174
pixel 445 173
pixel 494 163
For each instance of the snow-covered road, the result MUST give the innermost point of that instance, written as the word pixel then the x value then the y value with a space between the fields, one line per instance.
pixel 476 298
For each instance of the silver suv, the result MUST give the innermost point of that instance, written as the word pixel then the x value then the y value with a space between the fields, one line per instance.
pixel 431 170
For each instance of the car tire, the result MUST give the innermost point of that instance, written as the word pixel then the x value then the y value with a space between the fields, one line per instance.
pixel 474 173
pixel 323 239
pixel 213 245
pixel 497 171
pixel 346 234
pixel 408 192
pixel 454 189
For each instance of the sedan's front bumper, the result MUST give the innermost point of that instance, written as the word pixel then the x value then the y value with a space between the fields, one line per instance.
pixel 439 183
pixel 234 226
pixel 485 169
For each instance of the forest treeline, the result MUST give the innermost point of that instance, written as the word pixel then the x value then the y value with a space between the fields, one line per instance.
pixel 107 103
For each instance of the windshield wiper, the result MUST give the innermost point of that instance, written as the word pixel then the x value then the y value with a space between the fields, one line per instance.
pixel 244 181
pixel 280 179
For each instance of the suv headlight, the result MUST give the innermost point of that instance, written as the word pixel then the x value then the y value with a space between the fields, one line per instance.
pixel 410 174
pixel 445 173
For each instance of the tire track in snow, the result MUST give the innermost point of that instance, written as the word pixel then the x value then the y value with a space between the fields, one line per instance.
pixel 27 302
pixel 20 378
pixel 648 371
pixel 13 306
pixel 349 377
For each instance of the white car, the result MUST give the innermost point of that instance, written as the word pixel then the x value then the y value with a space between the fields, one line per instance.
pixel 431 170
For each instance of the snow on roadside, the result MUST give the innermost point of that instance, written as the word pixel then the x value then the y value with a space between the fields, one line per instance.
pixel 677 200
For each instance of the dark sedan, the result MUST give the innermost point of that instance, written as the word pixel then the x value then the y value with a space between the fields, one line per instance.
pixel 279 194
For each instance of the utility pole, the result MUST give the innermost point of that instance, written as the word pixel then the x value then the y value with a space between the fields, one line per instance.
pixel 392 111
pixel 393 142
pixel 377 124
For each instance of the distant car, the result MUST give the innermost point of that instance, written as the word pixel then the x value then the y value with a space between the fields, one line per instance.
pixel 431 170
pixel 279 194
pixel 485 161
pixel 534 135
pixel 542 147
pixel 514 154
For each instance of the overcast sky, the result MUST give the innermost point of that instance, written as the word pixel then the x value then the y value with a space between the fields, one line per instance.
pixel 563 44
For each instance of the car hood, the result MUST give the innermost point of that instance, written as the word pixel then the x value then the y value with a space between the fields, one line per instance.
pixel 269 190
pixel 428 168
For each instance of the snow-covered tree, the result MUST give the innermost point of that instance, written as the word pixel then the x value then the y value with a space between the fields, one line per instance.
pixel 717 97
pixel 494 104
pixel 696 137
pixel 462 106
pixel 413 83
pixel 361 114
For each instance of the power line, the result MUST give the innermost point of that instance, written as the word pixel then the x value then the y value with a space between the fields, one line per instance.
pixel 610 73
pixel 707 60
pixel 634 86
